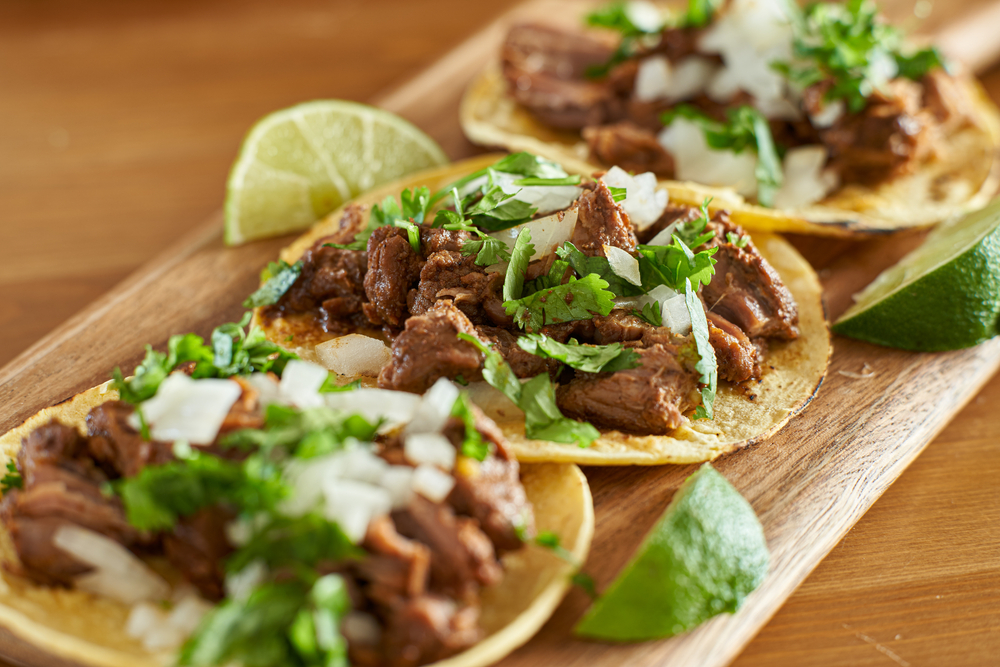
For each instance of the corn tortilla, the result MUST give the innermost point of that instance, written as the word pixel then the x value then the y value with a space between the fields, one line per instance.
pixel 793 369
pixel 46 626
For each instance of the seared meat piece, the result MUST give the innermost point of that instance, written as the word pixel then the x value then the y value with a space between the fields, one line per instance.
pixel 490 491
pixel 672 214
pixel 462 556
pixel 524 364
pixel 396 567
pixel 393 269
pixel 245 413
pixel 197 548
pixel 600 221
pixel 947 100
pixel 746 290
pixel 650 399
pixel 886 139
pixel 435 239
pixel 449 275
pixel 54 444
pixel 678 43
pixel 117 447
pixel 427 629
pixel 630 147
pixel 736 355
pixel 545 68
pixel 429 348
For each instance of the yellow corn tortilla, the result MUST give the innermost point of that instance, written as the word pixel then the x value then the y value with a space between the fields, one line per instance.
pixel 785 389
pixel 963 179
pixel 54 626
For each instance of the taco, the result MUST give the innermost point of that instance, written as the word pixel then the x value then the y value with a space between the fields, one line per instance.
pixel 819 121
pixel 229 504
pixel 593 320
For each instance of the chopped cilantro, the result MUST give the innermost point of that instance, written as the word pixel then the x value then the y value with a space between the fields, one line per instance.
pixel 473 445
pixel 673 264
pixel 587 358
pixel 555 276
pixel 302 433
pixel 578 299
pixel 585 266
pixel 11 479
pixel 651 313
pixel 737 240
pixel 413 205
pixel 496 371
pixel 488 250
pixel 294 542
pixel 412 233
pixel 536 181
pixel 615 17
pixel 617 194
pixel 699 13
pixel 706 365
pixel 277 277
pixel 513 283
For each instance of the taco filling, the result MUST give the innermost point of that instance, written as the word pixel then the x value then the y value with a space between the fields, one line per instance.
pixel 584 303
pixel 785 105
pixel 324 523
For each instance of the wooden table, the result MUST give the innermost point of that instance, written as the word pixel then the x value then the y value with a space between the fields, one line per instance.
pixel 117 126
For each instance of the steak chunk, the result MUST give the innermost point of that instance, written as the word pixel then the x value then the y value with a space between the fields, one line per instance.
pixel 524 364
pixel 737 357
pixel 449 275
pixel 600 221
pixel 393 270
pixel 650 399
pixel 117 447
pixel 429 349
pixel 396 567
pixel 436 239
pixel 630 147
pixel 198 547
pixel 746 290
pixel 427 629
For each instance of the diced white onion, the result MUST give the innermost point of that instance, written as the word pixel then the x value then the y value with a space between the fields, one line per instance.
pixel 361 628
pixel 435 408
pixel 807 180
pixel 644 201
pixel 689 77
pixel 546 233
pixel 266 386
pixel 644 15
pixel 395 407
pixel 829 114
pixel 431 483
pixel 695 161
pixel 360 463
pixel 398 481
pixel 300 383
pixel 354 354
pixel 118 573
pixel 187 614
pixel 493 402
pixel 653 79
pixel 431 449
pixel 665 236
pixel 148 623
pixel 239 585
pixel 306 478
pixel 187 409
pixel 545 198
pixel 241 530
pixel 661 295
pixel 623 264
pixel 676 316
pixel 354 504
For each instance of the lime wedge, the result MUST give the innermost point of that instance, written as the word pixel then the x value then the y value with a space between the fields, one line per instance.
pixel 944 295
pixel 298 164
pixel 703 557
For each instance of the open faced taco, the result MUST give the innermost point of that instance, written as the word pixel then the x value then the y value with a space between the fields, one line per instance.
pixel 819 120
pixel 594 321
pixel 230 504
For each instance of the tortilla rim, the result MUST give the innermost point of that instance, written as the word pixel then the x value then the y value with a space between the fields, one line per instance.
pixel 967 177
pixel 51 626
pixel 786 390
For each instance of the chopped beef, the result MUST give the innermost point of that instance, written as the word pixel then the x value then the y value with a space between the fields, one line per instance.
pixel 396 567
pixel 117 447
pixel 427 629
pixel 630 147
pixel 600 221
pixel 678 43
pixel 197 547
pixel 245 413
pixel 946 99
pixel 650 399
pixel 524 364
pixel 737 357
pixel 393 270
pixel 462 556
pixel 429 349
pixel 449 275
pixel 546 69
pixel 746 290
pixel 436 239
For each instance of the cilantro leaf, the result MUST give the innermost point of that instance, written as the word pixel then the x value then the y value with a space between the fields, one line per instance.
pixel 529 165
pixel 488 250
pixel 737 240
pixel 302 433
pixel 706 365
pixel 413 205
pixel 578 299
pixel 584 265
pixel 651 313
pixel 473 445
pixel 281 276
pixel 295 542
pixel 11 479
pixel 699 13
pixel 536 181
pixel 496 371
pixel 587 358
pixel 617 194
pixel 916 65
pixel 544 421
pixel 412 233
pixel 497 210
pixel 673 264
pixel 555 276
pixel 513 283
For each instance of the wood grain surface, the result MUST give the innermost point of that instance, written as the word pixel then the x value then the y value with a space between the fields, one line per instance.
pixel 119 122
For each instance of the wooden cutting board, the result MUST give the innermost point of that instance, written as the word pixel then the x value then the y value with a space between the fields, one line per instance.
pixel 809 484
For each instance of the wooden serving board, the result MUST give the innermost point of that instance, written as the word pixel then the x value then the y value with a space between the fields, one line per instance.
pixel 873 415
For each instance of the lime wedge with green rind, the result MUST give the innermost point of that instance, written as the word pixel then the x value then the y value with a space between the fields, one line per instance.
pixel 945 295
pixel 703 557
pixel 299 164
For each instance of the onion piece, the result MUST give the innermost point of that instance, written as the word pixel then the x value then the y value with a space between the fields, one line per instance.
pixel 665 236
pixel 435 408
pixel 187 409
pixel 266 386
pixel 689 77
pixel 807 180
pixel 118 573
pixel 395 407
pixel 148 623
pixel 644 201
pixel 653 79
pixel 675 315
pixel 493 402
pixel 644 15
pixel 354 354
pixel 546 233
pixel 300 383
pixel 432 483
pixel 697 162
pixel 187 613
pixel 398 481
pixel 352 505
pixel 623 264
pixel 431 449
pixel 545 198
